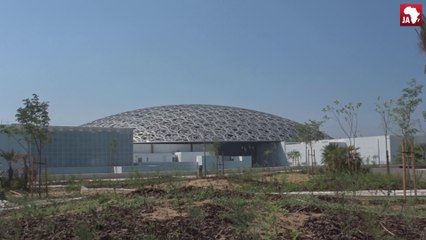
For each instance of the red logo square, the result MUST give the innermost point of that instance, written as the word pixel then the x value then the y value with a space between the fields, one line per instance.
pixel 410 14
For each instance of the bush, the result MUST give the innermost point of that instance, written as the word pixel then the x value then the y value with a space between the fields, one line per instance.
pixel 344 181
pixel 341 158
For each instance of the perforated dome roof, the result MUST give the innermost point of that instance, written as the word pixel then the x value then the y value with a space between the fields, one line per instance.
pixel 198 123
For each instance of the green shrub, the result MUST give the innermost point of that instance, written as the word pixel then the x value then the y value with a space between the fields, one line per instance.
pixel 350 182
pixel 240 215
pixel 341 158
pixel 83 231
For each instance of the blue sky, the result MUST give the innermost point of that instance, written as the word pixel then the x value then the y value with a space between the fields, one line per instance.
pixel 91 59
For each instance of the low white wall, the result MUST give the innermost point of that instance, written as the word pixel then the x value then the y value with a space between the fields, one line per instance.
pixel 189 156
pixel 239 163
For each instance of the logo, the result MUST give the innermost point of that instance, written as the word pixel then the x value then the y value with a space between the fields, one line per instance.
pixel 410 14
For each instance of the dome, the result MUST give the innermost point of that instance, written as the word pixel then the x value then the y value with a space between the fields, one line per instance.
pixel 199 123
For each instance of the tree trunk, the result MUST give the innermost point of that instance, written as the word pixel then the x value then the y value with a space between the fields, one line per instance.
pixel 25 174
pixel 404 184
pixel 387 155
pixel 10 172
pixel 39 174
pixel 413 165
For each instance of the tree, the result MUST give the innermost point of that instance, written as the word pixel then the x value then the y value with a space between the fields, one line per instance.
pixel 419 154
pixel 294 155
pixel 9 156
pixel 34 118
pixel 346 117
pixel 403 111
pixel 310 132
pixel 384 109
pixel 267 154
pixel 12 131
pixel 216 150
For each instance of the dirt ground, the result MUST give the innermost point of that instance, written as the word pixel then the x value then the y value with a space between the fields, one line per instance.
pixel 168 216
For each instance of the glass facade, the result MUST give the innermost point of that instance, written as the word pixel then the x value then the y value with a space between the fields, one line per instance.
pixel 88 147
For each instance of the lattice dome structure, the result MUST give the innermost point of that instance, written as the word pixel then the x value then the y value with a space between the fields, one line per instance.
pixel 199 123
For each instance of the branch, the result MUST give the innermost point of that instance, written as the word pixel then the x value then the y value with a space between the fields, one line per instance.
pixel 387 230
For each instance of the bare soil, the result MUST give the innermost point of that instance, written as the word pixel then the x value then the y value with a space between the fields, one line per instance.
pixel 168 216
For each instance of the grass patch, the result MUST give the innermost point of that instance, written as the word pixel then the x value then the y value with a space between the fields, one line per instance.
pixel 172 208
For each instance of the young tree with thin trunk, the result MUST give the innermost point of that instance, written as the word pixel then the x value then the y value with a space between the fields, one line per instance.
pixel 384 109
pixel 403 111
pixel 216 150
pixel 34 118
pixel 346 117
pixel 310 132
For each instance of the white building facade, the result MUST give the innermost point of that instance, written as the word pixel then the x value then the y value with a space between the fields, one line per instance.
pixel 372 149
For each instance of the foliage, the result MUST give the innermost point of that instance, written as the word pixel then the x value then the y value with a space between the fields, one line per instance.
pixel 419 154
pixel 34 119
pixel 216 150
pixel 310 132
pixel 240 214
pixel 405 106
pixel 15 132
pixel 346 116
pixel 267 153
pixel 294 155
pixel 343 181
pixel 341 158
pixel 229 214
pixel 384 109
pixel 9 156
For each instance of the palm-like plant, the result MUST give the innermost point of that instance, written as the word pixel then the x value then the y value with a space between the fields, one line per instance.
pixel 353 161
pixel 338 158
pixel 295 156
pixel 332 157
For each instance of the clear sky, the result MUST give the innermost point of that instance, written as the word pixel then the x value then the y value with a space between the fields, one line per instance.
pixel 91 59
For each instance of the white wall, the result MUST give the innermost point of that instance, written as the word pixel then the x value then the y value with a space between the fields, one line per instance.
pixel 189 156
pixel 305 153
pixel 165 148
pixel 239 163
pixel 371 149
